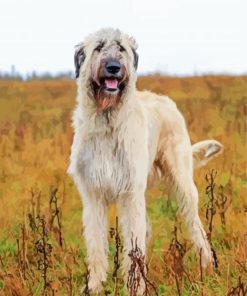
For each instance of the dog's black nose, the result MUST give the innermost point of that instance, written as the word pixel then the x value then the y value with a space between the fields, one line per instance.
pixel 113 66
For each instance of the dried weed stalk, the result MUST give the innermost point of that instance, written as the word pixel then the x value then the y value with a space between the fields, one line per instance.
pixel 43 250
pixel 138 272
pixel 86 291
pixel 22 252
pixel 222 203
pixel 211 208
pixel 55 216
pixel 239 290
pixel 24 270
pixel 114 233
pixel 176 254
pixel 69 273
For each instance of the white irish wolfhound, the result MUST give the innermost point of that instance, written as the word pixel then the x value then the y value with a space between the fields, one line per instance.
pixel 122 136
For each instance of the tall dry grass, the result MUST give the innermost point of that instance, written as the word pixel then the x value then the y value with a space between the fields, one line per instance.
pixel 41 247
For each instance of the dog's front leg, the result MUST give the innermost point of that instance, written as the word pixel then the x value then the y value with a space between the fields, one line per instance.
pixel 132 210
pixel 95 233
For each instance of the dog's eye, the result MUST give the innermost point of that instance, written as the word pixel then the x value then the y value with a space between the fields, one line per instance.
pixel 121 48
pixel 99 47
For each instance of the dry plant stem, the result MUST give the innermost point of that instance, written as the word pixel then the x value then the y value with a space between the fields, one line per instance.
pixel 45 260
pixel 70 281
pixel 20 265
pixel 241 264
pixel 32 223
pixel 222 205
pixel 239 290
pixel 114 233
pixel 86 291
pixel 211 210
pixel 174 264
pixel 138 271
pixel 22 253
pixel 177 284
pixel 44 248
pixel 177 251
pixel 56 214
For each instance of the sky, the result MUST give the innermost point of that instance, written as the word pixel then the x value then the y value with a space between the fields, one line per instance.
pixel 176 37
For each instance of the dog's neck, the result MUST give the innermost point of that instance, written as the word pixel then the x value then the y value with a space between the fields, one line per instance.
pixel 107 121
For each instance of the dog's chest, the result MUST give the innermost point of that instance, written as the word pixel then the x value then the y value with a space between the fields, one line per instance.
pixel 106 166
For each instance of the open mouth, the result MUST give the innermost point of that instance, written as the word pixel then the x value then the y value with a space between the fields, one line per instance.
pixel 111 84
pixel 108 84
pixel 108 91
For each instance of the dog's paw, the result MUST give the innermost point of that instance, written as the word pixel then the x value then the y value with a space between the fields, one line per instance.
pixel 94 287
pixel 207 259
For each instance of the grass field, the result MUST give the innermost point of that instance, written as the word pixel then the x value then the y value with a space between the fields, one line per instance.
pixel 41 246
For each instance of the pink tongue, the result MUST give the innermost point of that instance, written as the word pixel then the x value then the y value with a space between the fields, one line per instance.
pixel 111 83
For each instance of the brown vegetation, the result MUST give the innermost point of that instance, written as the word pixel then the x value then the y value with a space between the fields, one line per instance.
pixel 41 247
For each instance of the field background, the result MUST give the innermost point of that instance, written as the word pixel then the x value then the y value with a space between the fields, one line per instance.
pixel 45 255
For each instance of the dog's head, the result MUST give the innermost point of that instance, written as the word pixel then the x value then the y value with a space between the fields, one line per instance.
pixel 106 64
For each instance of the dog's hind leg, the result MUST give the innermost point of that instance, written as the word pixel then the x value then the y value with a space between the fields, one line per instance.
pixel 177 161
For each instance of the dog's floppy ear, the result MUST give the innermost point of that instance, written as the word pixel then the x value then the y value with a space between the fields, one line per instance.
pixel 134 46
pixel 79 58
pixel 136 57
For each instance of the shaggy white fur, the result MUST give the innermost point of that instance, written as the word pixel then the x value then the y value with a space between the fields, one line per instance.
pixel 116 151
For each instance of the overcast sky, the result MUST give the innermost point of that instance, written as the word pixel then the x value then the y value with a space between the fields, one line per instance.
pixel 174 36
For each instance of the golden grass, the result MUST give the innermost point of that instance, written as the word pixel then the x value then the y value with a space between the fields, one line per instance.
pixel 35 139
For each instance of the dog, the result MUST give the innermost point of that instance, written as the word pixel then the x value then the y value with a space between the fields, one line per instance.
pixel 123 138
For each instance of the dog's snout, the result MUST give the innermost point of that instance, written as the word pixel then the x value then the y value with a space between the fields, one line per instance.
pixel 112 66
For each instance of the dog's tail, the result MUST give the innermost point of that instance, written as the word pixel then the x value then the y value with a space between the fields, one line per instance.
pixel 204 151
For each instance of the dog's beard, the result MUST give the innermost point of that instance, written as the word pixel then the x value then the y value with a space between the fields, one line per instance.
pixel 106 100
